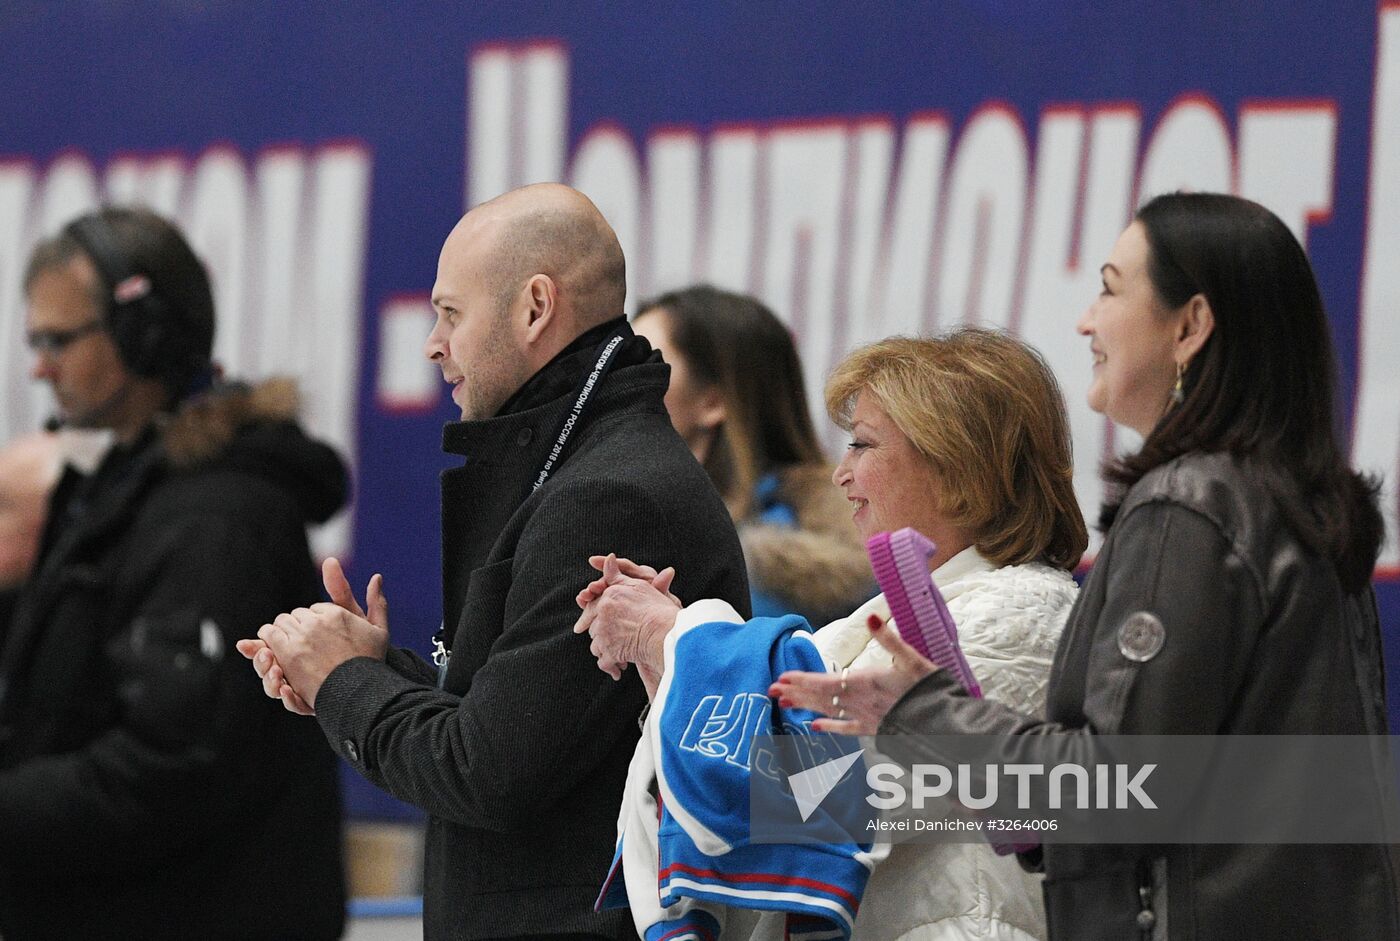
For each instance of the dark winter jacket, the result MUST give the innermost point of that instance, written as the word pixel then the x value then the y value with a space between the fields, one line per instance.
pixel 521 756
pixel 1203 615
pixel 148 788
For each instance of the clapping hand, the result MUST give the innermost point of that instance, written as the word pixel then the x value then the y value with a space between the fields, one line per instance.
pixel 313 641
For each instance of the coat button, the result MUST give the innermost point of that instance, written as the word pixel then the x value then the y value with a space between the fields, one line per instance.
pixel 351 751
pixel 1141 636
pixel 1146 920
pixel 524 436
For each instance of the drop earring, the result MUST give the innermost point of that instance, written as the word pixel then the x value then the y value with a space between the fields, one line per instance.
pixel 1178 393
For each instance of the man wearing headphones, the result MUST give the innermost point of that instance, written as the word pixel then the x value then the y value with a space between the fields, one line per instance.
pixel 144 782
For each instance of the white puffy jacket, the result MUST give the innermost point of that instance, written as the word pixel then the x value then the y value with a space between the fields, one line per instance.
pixel 1009 620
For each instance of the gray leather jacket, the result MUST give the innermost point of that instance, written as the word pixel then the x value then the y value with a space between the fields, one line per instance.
pixel 1252 635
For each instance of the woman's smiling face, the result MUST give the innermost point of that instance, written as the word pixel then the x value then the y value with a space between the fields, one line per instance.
pixel 891 484
pixel 1133 338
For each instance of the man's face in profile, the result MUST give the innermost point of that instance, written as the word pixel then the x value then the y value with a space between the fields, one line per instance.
pixel 472 341
pixel 73 351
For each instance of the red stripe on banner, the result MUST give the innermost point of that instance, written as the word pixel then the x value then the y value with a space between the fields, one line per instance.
pixel 761 877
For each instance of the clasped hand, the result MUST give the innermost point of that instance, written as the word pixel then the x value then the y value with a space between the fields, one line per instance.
pixel 627 612
pixel 296 652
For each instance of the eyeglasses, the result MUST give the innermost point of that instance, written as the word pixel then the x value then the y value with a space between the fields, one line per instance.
pixel 53 342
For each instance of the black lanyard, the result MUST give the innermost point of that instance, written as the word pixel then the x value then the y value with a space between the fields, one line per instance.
pixel 582 395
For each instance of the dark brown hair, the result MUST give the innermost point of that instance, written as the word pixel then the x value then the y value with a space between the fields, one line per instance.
pixel 153 246
pixel 736 344
pixel 1261 388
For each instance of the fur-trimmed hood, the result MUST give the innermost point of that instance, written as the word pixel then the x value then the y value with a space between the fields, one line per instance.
pixel 819 569
pixel 253 428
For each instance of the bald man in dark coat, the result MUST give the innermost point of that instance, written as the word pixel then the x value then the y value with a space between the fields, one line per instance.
pixel 517 746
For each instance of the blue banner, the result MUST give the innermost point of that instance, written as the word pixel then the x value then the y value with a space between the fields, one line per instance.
pixel 866 169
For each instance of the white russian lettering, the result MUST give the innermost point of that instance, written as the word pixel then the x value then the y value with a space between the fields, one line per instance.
pixel 1376 427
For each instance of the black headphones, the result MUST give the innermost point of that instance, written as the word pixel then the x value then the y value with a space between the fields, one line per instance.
pixel 143 326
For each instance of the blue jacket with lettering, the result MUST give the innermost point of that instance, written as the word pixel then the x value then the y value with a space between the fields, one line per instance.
pixel 732 801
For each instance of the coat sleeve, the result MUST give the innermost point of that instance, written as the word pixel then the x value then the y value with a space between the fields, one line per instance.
pixel 409 664
pixel 1184 573
pixel 182 750
pixel 1170 563
pixel 539 716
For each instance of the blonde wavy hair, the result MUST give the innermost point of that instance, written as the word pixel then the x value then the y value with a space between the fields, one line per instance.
pixel 986 412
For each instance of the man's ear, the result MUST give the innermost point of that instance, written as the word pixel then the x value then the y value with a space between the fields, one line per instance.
pixel 1196 323
pixel 541 299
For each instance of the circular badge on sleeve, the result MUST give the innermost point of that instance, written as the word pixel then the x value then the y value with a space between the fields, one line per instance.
pixel 1141 636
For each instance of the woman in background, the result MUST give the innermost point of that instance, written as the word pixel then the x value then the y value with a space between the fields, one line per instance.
pixel 736 397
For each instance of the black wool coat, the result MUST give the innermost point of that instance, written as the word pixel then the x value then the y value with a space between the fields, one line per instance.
pixel 520 757
pixel 148 788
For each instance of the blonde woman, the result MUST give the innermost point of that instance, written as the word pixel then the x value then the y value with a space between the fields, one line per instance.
pixel 963 437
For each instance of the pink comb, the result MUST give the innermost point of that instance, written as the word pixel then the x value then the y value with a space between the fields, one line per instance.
pixel 900 561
